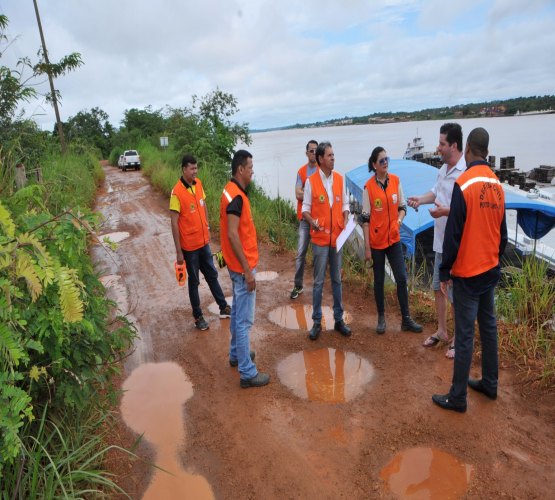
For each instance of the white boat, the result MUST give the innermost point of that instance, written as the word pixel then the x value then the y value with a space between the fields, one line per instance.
pixel 413 148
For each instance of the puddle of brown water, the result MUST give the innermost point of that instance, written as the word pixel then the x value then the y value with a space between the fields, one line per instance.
pixel 266 276
pixel 114 237
pixel 426 473
pixel 328 375
pixel 299 317
pixel 152 405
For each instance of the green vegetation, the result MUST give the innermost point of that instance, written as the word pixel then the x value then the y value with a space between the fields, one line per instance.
pixel 58 351
pixel 507 107
pixel 526 308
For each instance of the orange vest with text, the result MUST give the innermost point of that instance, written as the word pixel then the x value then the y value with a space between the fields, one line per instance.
pixel 302 174
pixel 485 208
pixel 247 231
pixel 193 226
pixel 330 218
pixel 384 228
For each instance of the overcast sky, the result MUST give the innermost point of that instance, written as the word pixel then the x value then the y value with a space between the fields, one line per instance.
pixel 289 61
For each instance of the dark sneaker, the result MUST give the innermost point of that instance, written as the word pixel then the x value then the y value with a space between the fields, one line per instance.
pixel 234 362
pixel 225 312
pixel 443 401
pixel 380 327
pixel 258 381
pixel 296 292
pixel 478 386
pixel 315 331
pixel 409 325
pixel 342 328
pixel 201 323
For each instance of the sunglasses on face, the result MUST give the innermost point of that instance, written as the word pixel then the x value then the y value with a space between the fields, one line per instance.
pixel 383 160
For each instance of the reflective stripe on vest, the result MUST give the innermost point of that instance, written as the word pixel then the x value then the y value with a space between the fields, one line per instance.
pixel 384 228
pixel 246 229
pixel 485 207
pixel 193 226
pixel 330 218
pixel 302 174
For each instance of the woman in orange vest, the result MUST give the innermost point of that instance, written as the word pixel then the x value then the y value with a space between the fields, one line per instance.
pixel 383 211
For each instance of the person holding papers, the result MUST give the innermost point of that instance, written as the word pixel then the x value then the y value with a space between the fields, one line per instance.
pixel 383 211
pixel 326 209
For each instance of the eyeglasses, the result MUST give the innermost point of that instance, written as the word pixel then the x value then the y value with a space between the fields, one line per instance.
pixel 384 160
pixel 312 151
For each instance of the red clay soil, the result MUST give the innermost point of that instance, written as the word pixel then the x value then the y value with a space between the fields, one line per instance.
pixel 270 443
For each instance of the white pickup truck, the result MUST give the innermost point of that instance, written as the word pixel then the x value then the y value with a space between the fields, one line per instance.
pixel 131 159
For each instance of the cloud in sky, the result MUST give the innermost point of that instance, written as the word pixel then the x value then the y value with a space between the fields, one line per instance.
pixel 289 62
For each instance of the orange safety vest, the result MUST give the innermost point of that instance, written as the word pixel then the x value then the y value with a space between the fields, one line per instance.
pixel 247 231
pixel 302 174
pixel 485 208
pixel 384 228
pixel 330 218
pixel 193 226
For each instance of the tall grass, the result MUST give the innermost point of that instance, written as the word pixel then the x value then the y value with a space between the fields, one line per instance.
pixel 61 457
pixel 526 309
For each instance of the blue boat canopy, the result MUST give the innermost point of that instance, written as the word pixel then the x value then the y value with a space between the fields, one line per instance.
pixel 535 216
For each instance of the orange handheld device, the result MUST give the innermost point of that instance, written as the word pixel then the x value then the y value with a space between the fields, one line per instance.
pixel 180 273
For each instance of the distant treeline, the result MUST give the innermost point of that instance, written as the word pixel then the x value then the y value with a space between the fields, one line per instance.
pixel 508 107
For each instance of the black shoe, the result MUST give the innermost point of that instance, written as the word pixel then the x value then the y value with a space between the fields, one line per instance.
pixel 315 331
pixel 444 402
pixel 201 323
pixel 234 362
pixel 342 328
pixel 409 325
pixel 225 312
pixel 380 327
pixel 296 292
pixel 478 386
pixel 258 381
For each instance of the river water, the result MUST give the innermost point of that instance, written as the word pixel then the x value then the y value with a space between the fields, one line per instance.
pixel 278 154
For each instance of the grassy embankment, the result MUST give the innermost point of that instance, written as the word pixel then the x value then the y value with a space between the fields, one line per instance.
pixel 58 345
pixel 525 305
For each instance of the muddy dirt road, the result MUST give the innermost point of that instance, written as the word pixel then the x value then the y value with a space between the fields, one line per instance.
pixel 341 418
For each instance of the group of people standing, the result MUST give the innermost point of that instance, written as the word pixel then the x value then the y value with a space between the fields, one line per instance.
pixel 469 237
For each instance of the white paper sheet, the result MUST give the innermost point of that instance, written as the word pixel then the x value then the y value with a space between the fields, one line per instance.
pixel 349 228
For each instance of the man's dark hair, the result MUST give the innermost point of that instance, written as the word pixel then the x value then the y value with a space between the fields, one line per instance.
pixel 478 142
pixel 321 150
pixel 374 158
pixel 453 133
pixel 312 141
pixel 188 159
pixel 239 160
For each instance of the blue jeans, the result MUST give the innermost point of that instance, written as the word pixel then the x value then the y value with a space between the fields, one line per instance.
pixel 469 306
pixel 302 248
pixel 201 260
pixel 323 255
pixel 242 319
pixel 396 260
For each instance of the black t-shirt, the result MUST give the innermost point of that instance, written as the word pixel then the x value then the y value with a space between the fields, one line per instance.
pixel 235 206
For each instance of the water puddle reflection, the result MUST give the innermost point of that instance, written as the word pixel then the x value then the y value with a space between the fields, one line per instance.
pixel 426 473
pixel 266 276
pixel 328 375
pixel 214 308
pixel 114 237
pixel 152 405
pixel 299 317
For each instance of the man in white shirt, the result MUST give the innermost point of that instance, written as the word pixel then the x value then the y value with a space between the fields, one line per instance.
pixel 450 149
pixel 326 209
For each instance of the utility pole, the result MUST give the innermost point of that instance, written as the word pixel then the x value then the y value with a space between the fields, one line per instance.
pixel 51 80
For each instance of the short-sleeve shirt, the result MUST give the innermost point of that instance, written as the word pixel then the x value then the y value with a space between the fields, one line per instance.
pixel 443 191
pixel 175 205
